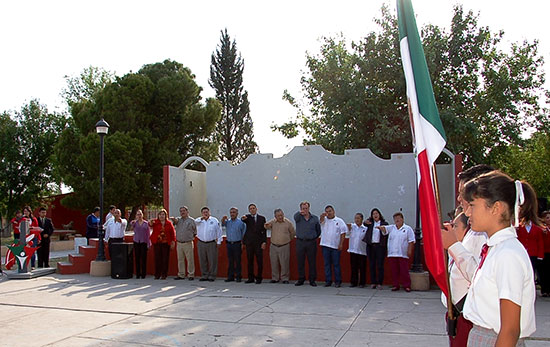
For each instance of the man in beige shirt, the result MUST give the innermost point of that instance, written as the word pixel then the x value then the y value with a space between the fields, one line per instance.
pixel 282 232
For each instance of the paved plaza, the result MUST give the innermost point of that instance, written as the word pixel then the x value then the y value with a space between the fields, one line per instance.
pixel 80 310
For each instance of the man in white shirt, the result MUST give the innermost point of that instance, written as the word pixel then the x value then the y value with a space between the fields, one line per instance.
pixel 209 233
pixel 114 229
pixel 333 232
pixel 111 213
pixel 400 247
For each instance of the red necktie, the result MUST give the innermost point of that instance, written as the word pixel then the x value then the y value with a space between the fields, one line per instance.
pixel 484 251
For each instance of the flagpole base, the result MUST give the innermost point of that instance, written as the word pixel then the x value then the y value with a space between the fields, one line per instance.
pixel 420 280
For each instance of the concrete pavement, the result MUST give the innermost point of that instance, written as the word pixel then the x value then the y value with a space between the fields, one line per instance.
pixel 79 310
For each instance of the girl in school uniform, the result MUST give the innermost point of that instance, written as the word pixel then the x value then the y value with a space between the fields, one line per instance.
pixel 530 235
pixel 544 266
pixel 501 298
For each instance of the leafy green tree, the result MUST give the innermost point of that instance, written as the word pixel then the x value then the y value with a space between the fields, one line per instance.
pixel 354 95
pixel 235 128
pixel 156 118
pixel 27 139
pixel 530 162
pixel 84 87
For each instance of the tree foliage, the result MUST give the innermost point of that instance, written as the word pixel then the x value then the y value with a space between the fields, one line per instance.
pixel 235 128
pixel 354 95
pixel 530 162
pixel 156 118
pixel 27 139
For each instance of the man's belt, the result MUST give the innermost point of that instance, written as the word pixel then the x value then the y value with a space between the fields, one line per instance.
pixel 207 241
pixel 233 242
pixel 280 245
pixel 306 239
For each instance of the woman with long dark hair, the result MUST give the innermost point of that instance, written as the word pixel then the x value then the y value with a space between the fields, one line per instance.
pixel 377 247
pixel 501 297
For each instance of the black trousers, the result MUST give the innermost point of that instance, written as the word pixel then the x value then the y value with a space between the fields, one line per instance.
pixel 306 248
pixel 544 274
pixel 358 264
pixel 377 255
pixel 234 260
pixel 44 252
pixel 162 257
pixel 140 254
pixel 255 250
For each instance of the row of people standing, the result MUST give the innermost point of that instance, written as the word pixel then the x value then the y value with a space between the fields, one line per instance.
pixel 249 232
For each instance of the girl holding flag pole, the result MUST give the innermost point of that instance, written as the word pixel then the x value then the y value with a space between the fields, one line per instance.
pixel 501 298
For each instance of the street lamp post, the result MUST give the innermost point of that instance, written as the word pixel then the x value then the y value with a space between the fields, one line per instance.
pixel 102 128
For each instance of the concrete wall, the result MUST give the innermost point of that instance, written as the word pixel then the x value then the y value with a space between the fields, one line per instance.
pixel 187 187
pixel 356 181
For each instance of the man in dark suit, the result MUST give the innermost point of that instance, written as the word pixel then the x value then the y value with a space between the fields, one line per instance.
pixel 47 231
pixel 255 240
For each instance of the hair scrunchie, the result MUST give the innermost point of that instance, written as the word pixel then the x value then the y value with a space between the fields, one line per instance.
pixel 520 199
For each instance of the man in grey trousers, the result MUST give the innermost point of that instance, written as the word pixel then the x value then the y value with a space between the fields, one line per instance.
pixel 209 233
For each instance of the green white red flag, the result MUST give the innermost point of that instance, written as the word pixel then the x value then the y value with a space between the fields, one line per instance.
pixel 428 137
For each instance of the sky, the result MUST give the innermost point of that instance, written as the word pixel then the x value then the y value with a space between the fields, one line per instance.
pixel 44 41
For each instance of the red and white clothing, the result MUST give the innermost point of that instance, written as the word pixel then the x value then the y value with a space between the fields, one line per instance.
pixel 530 236
pixel 506 274
pixel 15 225
pixel 463 264
pixel 331 229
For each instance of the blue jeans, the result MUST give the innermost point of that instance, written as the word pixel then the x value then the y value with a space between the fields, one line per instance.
pixel 331 258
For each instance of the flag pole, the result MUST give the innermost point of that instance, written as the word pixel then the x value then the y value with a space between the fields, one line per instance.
pixel 450 313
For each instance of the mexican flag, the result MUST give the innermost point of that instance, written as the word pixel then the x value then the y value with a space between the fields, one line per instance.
pixel 428 137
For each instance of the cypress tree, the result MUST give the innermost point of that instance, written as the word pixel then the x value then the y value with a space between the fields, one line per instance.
pixel 234 131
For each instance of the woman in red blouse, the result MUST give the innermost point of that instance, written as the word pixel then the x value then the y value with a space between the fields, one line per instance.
pixel 163 239
pixel 544 268
pixel 530 232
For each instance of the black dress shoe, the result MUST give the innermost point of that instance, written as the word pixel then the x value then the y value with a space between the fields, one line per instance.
pixel 313 284
pixel 178 278
pixel 229 280
pixel 203 279
pixel 258 281
pixel 238 280
pixel 285 282
pixel 211 280
pixel 328 284
pixel 353 286
pixel 299 283
pixel 273 281
pixel 157 277
pixel 249 281
pixel 191 278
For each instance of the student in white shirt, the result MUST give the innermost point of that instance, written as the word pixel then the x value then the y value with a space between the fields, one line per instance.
pixel 501 298
pixel 333 232
pixel 400 247
pixel 357 251
pixel 464 250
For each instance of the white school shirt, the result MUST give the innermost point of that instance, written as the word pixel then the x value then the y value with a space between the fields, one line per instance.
pixel 209 230
pixel 375 232
pixel 505 274
pixel 331 229
pixel 398 240
pixel 463 263
pixel 114 229
pixel 356 235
